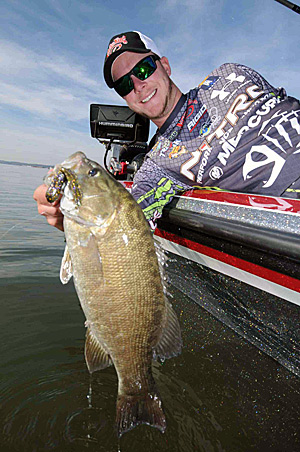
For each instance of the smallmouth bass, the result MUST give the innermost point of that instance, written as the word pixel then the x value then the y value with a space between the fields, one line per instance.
pixel 111 255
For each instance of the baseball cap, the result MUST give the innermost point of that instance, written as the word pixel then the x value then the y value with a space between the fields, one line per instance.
pixel 130 41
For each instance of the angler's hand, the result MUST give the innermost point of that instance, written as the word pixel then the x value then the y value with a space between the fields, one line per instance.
pixel 49 210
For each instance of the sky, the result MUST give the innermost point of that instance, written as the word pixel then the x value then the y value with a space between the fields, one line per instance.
pixel 52 53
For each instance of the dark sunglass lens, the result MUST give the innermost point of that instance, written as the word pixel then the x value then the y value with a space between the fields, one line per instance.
pixel 144 68
pixel 124 86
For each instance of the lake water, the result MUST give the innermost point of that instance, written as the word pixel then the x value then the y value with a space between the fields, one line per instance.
pixel 223 393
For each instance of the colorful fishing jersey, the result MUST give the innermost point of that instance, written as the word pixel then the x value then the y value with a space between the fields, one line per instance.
pixel 234 131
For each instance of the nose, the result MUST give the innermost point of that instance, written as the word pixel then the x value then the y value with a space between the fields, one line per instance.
pixel 137 83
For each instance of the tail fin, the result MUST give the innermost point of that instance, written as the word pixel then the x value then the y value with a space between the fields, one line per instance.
pixel 135 410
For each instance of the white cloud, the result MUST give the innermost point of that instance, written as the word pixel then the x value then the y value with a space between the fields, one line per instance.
pixel 51 86
pixel 60 66
pixel 48 101
pixel 26 65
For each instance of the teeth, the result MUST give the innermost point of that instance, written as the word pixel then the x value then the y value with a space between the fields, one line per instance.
pixel 149 97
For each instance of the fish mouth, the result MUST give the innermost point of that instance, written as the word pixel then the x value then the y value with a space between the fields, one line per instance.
pixel 72 215
pixel 68 203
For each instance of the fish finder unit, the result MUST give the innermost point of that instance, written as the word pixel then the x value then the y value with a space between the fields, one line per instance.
pixel 124 135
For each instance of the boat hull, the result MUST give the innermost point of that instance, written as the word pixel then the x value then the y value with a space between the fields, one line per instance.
pixel 251 238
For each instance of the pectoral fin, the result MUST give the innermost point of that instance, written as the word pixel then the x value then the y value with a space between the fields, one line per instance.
pixel 170 343
pixel 66 268
pixel 95 356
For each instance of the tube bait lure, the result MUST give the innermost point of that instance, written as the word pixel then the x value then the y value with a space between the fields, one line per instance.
pixel 58 184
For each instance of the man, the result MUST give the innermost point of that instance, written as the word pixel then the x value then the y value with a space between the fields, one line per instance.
pixel 234 131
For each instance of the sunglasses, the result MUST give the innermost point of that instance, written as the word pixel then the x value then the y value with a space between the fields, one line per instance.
pixel 142 70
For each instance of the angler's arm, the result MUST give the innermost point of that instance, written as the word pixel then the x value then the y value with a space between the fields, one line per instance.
pixel 153 190
pixel 50 211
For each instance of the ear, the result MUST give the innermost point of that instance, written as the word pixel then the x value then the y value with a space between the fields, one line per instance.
pixel 166 65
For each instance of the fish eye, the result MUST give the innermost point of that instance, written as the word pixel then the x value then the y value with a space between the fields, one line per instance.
pixel 93 172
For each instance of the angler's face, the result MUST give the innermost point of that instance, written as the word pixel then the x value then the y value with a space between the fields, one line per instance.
pixel 154 97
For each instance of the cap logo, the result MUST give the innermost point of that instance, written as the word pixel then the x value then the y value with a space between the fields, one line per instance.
pixel 115 45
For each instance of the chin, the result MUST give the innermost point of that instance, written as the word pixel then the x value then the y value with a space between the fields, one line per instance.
pixel 153 109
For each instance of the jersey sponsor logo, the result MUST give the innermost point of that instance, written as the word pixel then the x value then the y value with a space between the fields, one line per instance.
pixel 206 151
pixel 222 93
pixel 260 156
pixel 189 111
pixel 215 173
pixel 164 147
pixel 116 45
pixel 285 119
pixel 177 151
pixel 161 148
pixel 194 122
pixel 187 167
pixel 173 135
pixel 211 121
pixel 153 220
pixel 208 82
pixel 240 103
pixel 229 146
pixel 153 202
pixel 205 129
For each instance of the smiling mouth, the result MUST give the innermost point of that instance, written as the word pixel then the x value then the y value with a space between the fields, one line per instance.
pixel 149 97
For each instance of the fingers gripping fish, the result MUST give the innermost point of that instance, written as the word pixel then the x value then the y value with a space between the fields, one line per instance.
pixel 110 253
